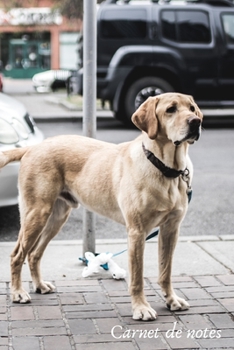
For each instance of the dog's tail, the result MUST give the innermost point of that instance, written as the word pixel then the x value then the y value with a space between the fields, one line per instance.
pixel 12 156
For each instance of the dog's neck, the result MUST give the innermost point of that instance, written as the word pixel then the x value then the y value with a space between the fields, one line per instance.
pixel 171 155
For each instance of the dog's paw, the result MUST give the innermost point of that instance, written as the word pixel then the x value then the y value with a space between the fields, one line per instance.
pixel 20 296
pixel 144 312
pixel 45 288
pixel 175 303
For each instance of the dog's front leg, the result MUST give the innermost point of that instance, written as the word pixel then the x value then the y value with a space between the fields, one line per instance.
pixel 166 244
pixel 141 308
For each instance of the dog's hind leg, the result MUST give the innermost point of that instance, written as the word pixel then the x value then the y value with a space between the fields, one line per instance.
pixel 61 211
pixel 34 221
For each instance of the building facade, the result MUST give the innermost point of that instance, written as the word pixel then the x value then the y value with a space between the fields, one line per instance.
pixel 35 38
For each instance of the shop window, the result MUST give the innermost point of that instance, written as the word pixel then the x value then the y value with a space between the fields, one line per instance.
pixel 68 50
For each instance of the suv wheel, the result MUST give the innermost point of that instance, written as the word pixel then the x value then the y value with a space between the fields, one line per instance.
pixel 140 90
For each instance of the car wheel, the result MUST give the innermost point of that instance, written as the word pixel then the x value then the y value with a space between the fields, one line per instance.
pixel 140 90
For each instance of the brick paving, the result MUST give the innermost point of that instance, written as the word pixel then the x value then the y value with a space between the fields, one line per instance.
pixel 96 314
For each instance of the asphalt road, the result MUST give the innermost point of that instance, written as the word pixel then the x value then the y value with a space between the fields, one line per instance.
pixel 211 209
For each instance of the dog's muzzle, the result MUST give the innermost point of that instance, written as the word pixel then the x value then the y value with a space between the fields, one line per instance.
pixel 194 130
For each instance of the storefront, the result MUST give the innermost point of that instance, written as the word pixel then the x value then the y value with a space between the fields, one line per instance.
pixel 36 39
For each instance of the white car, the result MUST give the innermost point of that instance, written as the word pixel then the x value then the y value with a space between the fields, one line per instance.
pixel 17 129
pixel 50 80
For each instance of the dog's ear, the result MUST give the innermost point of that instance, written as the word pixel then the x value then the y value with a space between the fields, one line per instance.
pixel 145 117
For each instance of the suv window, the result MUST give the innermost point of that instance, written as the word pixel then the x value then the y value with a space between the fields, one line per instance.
pixel 122 24
pixel 228 25
pixel 186 26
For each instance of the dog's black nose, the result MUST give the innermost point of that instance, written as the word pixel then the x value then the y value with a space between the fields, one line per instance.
pixel 194 122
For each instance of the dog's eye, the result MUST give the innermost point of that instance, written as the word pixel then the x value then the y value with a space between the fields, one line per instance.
pixel 171 109
pixel 192 108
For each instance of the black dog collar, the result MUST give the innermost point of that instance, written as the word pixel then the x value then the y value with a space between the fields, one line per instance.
pixel 165 170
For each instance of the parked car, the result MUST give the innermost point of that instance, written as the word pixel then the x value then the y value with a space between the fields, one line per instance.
pixel 145 48
pixel 50 80
pixel 17 129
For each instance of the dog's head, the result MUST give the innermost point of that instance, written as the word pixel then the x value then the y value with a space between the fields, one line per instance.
pixel 171 115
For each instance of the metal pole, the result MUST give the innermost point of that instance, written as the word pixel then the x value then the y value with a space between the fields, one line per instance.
pixel 89 103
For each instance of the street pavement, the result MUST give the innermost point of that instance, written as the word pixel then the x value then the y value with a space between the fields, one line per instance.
pixel 95 313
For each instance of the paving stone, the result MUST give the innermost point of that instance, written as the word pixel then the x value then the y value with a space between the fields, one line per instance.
pixel 180 341
pixel 2 300
pixel 3 291
pixel 44 299
pixel 119 293
pixel 39 331
pixel 228 304
pixel 195 293
pixel 226 279
pixel 189 284
pixel 3 328
pixel 45 302
pixel 26 343
pixel 38 327
pixel 207 281
pixel 174 279
pixel 81 282
pixel 227 333
pixel 93 298
pixel 170 319
pixel 91 314
pixel 57 343
pixel 124 299
pixel 72 298
pixel 97 338
pixel 89 307
pixel 151 343
pixel 125 310
pixel 37 324
pixel 156 326
pixel 22 312
pixel 3 309
pixel 201 310
pixel 3 340
pixel 221 321
pixel 222 294
pixel 49 313
pixel 78 289
pixel 193 322
pixel 222 343
pixel 221 289
pixel 81 326
pixel 116 285
pixel 105 325
pixel 203 302
pixel 107 346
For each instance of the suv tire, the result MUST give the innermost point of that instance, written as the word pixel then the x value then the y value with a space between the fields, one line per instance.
pixel 140 90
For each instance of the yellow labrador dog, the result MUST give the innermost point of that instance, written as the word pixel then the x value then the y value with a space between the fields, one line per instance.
pixel 141 184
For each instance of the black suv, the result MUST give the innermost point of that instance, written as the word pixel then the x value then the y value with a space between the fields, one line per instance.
pixel 147 48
